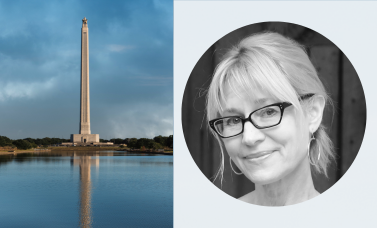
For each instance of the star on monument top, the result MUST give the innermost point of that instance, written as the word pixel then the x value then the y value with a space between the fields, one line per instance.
pixel 85 21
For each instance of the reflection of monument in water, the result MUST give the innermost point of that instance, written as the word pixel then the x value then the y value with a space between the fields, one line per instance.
pixel 85 163
pixel 84 135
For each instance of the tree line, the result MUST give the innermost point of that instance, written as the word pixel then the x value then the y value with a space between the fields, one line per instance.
pixel 158 142
pixel 28 143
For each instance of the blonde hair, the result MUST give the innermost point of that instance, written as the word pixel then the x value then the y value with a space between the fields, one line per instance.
pixel 280 67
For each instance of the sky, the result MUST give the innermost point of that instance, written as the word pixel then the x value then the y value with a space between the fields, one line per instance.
pixel 130 68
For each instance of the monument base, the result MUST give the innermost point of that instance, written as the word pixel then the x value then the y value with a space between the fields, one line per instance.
pixel 87 144
pixel 85 138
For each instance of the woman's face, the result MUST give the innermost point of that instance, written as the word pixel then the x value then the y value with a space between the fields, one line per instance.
pixel 265 155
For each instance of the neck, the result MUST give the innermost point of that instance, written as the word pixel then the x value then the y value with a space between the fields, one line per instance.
pixel 294 188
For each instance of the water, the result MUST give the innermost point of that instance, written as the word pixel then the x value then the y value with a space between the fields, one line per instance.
pixel 87 189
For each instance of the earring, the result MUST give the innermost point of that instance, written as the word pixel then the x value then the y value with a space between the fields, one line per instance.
pixel 319 151
pixel 230 161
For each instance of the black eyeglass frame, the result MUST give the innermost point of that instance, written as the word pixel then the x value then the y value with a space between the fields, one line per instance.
pixel 281 105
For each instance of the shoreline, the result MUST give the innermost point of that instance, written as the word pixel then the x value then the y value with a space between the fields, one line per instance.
pixel 169 152
pixel 55 149
pixel 4 152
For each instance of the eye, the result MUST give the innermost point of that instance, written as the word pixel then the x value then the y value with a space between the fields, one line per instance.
pixel 268 112
pixel 232 121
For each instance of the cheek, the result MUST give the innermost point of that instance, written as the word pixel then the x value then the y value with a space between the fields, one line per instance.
pixel 292 141
pixel 232 145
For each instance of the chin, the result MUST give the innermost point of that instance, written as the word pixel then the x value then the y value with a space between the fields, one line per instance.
pixel 263 178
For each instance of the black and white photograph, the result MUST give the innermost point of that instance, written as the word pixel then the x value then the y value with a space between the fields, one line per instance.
pixel 274 113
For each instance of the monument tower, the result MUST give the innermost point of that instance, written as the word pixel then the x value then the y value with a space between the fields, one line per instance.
pixel 84 98
pixel 84 135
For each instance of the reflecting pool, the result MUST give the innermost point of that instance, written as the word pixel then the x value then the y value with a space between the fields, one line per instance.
pixel 86 189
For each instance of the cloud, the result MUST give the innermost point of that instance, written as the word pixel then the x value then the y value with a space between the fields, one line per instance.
pixel 118 48
pixel 161 5
pixel 131 67
pixel 12 90
pixel 153 81
pixel 142 120
pixel 162 83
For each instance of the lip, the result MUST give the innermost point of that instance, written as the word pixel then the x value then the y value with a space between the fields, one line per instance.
pixel 259 155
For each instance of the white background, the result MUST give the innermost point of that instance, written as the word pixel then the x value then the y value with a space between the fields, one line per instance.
pixel 352 201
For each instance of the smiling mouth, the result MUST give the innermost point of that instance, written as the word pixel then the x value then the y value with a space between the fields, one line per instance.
pixel 259 156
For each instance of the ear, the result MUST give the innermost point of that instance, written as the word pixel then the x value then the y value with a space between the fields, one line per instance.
pixel 315 112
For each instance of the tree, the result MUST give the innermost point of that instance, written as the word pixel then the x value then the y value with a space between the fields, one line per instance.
pixel 142 142
pixel 154 145
pixel 5 141
pixel 161 140
pixel 45 141
pixel 33 145
pixel 30 140
pixel 22 144
pixel 157 146
pixel 117 141
pixel 132 143
pixel 38 141
pixel 169 141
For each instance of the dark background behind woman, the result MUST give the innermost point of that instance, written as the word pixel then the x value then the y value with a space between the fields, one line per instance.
pixel 346 123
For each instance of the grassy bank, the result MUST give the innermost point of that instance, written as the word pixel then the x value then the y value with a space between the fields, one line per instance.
pixel 2 152
pixel 115 148
pixel 148 151
pixel 84 148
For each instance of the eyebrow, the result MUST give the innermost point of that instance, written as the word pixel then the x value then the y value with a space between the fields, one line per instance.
pixel 232 110
pixel 262 100
pixel 238 111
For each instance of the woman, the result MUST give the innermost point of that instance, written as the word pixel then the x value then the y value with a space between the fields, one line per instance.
pixel 265 106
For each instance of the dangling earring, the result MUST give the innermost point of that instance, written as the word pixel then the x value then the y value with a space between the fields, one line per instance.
pixel 319 151
pixel 230 161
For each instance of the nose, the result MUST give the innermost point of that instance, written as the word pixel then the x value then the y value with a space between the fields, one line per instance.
pixel 252 135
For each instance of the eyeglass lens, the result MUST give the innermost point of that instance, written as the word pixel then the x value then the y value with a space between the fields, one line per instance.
pixel 262 118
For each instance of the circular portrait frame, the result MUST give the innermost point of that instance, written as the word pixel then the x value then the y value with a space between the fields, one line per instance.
pixel 345 122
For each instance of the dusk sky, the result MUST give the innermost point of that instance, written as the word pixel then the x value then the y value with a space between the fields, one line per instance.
pixel 130 68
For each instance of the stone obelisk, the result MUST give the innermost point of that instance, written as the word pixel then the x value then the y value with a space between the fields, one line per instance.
pixel 84 99
pixel 85 135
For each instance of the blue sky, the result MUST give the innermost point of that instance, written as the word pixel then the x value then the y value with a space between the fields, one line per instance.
pixel 130 67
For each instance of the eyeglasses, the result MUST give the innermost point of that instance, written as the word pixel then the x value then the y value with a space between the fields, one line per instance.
pixel 266 117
